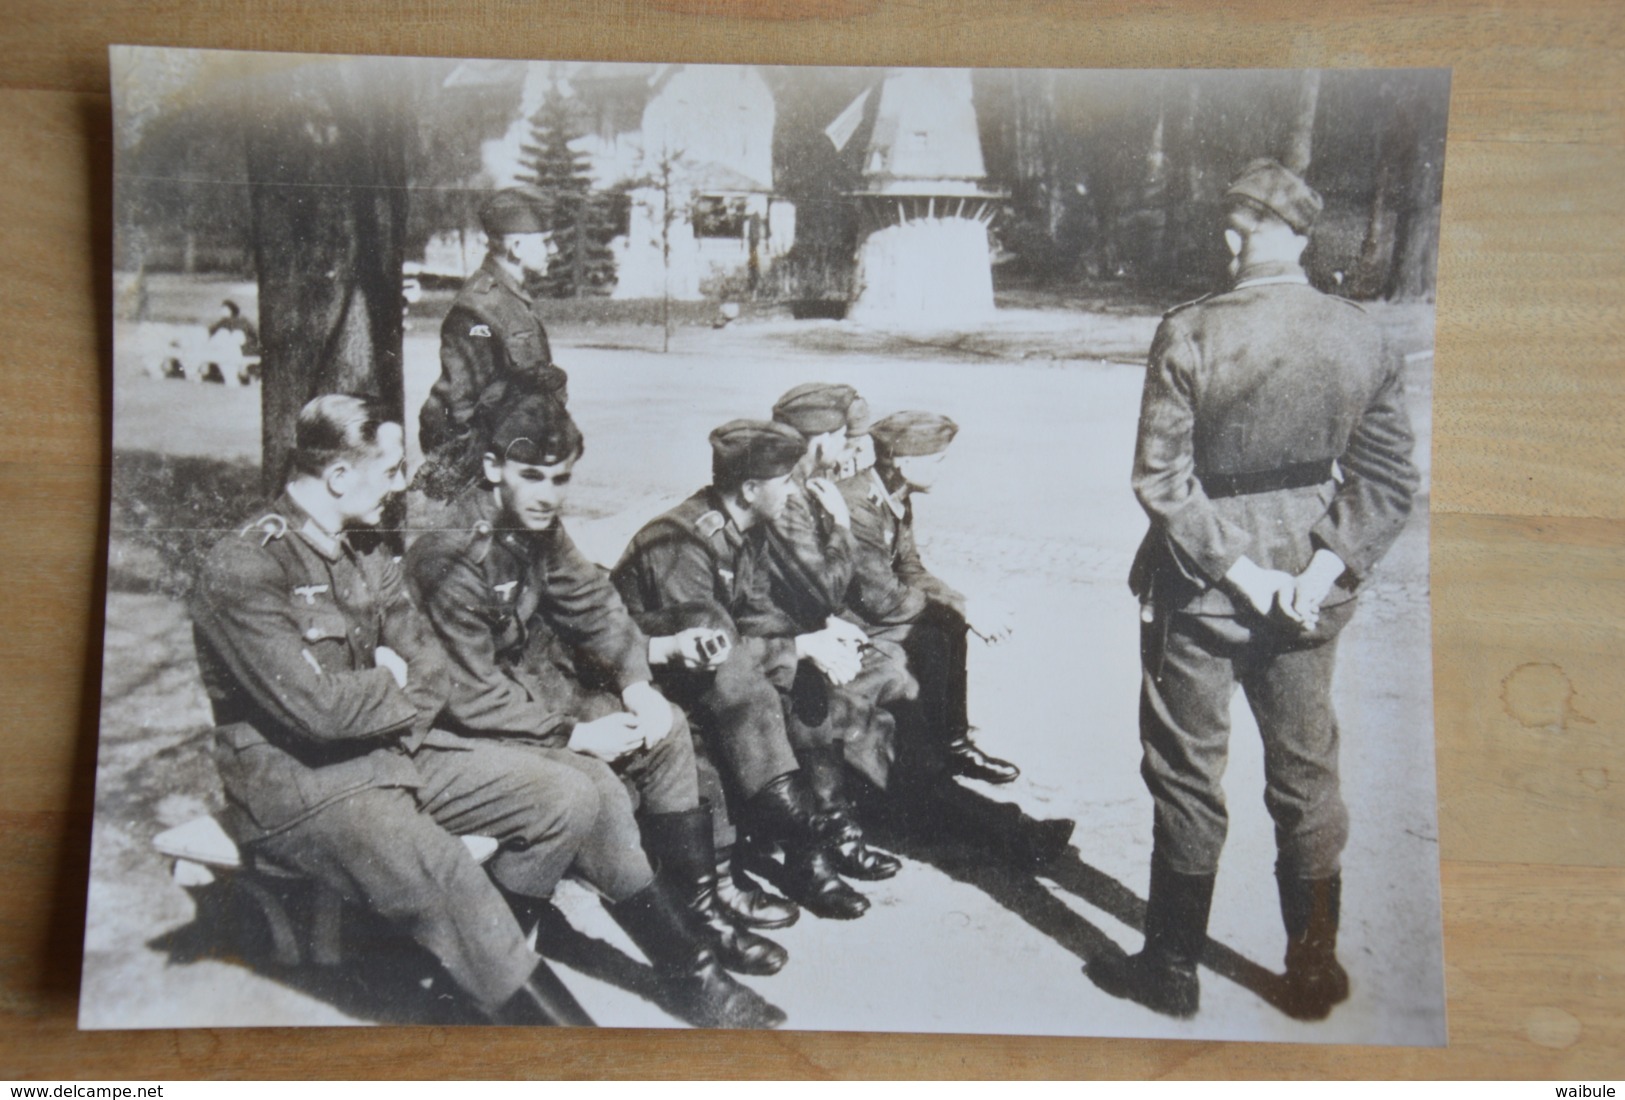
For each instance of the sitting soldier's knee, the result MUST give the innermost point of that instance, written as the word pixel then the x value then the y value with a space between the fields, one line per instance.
pixel 571 800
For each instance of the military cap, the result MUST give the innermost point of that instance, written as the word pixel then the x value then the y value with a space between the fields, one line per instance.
pixel 516 210
pixel 535 430
pixel 857 417
pixel 1281 192
pixel 907 434
pixel 813 408
pixel 743 450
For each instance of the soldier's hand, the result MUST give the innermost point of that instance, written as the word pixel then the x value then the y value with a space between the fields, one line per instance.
pixel 850 633
pixel 384 657
pixel 989 621
pixel 1311 587
pixel 839 661
pixel 697 647
pixel 830 499
pixel 1264 589
pixel 650 712
pixel 608 738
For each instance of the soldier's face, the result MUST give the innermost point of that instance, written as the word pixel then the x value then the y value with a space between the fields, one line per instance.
pixel 829 448
pixel 920 471
pixel 767 497
pixel 531 495
pixel 531 251
pixel 363 484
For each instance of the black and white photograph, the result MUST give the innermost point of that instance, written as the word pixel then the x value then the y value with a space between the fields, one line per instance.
pixel 725 546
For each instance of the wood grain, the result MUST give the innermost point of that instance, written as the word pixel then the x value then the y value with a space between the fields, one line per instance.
pixel 1529 517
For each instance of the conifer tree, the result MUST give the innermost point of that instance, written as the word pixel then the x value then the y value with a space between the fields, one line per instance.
pixel 583 219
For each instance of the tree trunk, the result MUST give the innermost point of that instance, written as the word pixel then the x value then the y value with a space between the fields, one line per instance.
pixel 1416 231
pixel 327 178
pixel 1301 138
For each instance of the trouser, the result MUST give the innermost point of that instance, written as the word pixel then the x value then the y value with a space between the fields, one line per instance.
pixel 396 851
pixel 1191 665
pixel 734 707
pixel 935 648
pixel 662 775
pixel 863 713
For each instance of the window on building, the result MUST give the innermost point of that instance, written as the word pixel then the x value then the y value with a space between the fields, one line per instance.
pixel 719 216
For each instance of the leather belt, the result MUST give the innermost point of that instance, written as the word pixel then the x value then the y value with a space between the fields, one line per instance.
pixel 1267 481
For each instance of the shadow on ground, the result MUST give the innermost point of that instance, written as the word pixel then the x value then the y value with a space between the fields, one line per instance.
pixel 1021 893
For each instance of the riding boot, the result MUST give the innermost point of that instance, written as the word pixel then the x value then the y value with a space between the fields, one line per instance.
pixel 1315 980
pixel 782 813
pixel 1162 977
pixel 853 858
pixel 684 852
pixel 696 987
pixel 748 902
pixel 543 1001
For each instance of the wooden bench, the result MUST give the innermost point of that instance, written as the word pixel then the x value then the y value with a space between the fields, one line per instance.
pixel 203 854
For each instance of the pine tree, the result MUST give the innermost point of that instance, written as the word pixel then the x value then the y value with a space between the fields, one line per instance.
pixel 583 219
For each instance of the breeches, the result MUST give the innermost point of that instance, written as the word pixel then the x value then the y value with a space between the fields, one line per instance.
pixel 610 858
pixel 735 708
pixel 1191 665
pixel 397 852
pixel 663 775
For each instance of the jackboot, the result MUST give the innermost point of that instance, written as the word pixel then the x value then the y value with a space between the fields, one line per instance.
pixel 1162 977
pixel 852 857
pixel 696 987
pixel 748 902
pixel 543 1001
pixel 1315 981
pixel 782 813
pixel 685 853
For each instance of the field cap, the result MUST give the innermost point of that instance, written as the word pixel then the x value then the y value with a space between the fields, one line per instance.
pixel 747 450
pixel 913 433
pixel 814 408
pixel 1281 192
pixel 516 210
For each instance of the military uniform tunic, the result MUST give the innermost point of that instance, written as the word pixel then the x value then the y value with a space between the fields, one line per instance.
pixel 913 609
pixel 493 334
pixel 810 561
pixel 693 567
pixel 514 608
pixel 334 770
pixel 1272 424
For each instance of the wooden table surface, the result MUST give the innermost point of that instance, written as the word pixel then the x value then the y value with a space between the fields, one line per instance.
pixel 1528 505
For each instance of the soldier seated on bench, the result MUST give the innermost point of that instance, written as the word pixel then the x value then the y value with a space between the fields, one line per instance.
pixel 525 617
pixel 325 685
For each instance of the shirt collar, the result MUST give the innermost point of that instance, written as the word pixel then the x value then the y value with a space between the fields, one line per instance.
pixel 1271 273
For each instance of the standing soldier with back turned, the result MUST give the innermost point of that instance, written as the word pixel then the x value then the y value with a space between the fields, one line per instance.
pixel 1274 460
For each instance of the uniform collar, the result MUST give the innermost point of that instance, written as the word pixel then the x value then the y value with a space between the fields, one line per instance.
pixel 730 529
pixel 1272 273
pixel 325 543
pixel 892 502
pixel 495 269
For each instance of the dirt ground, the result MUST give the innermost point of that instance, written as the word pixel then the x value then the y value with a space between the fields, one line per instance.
pixel 1034 509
